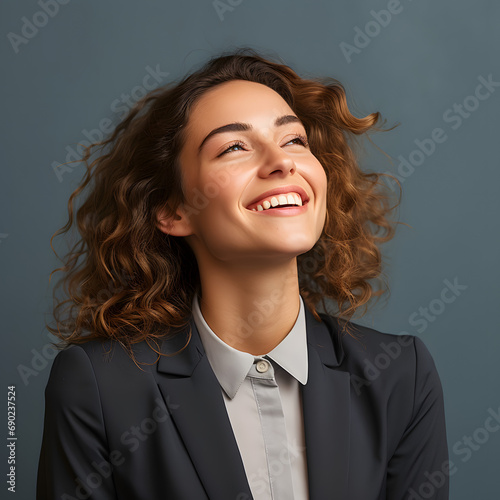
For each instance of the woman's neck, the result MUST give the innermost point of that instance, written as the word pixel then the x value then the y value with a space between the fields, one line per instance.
pixel 251 308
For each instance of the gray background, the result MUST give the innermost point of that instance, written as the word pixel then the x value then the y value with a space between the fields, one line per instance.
pixel 428 58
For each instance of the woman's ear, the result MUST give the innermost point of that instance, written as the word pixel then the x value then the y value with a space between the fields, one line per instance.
pixel 176 225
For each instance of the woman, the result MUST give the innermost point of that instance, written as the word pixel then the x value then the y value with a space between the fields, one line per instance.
pixel 220 213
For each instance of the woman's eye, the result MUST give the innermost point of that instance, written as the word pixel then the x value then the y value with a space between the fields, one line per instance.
pixel 301 140
pixel 230 148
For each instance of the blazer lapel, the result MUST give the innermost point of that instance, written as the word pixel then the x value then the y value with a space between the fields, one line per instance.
pixel 326 409
pixel 200 415
pixel 201 418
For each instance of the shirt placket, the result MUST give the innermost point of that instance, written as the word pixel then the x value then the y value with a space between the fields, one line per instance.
pixel 273 426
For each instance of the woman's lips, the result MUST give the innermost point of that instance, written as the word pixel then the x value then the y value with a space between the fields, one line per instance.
pixel 282 211
pixel 280 191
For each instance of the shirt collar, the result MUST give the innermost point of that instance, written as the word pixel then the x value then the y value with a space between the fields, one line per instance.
pixel 231 366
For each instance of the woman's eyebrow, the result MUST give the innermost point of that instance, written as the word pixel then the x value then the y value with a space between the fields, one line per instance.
pixel 243 127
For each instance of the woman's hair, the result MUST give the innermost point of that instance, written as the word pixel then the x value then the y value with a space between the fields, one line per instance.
pixel 135 282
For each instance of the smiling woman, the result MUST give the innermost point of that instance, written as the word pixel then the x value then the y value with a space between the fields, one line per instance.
pixel 232 244
pixel 223 210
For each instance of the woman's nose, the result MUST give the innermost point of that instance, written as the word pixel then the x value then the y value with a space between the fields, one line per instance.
pixel 276 160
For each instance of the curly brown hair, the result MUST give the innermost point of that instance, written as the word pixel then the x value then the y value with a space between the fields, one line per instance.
pixel 135 282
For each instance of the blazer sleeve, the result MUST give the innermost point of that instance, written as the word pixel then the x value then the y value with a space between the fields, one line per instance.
pixel 419 467
pixel 74 454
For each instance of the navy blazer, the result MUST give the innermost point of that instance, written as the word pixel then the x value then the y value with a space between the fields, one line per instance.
pixel 373 419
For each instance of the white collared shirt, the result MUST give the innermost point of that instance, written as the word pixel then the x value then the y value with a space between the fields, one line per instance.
pixel 231 368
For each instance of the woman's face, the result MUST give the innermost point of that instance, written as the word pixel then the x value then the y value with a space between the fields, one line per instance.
pixel 244 152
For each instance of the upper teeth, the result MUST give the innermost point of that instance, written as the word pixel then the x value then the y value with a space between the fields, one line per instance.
pixel 283 199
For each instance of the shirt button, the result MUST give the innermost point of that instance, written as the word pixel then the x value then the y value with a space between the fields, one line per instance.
pixel 262 366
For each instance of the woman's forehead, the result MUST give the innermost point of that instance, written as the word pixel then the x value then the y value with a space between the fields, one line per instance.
pixel 236 101
pixel 239 95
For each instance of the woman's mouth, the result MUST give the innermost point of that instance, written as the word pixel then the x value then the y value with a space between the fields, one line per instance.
pixel 281 205
pixel 285 200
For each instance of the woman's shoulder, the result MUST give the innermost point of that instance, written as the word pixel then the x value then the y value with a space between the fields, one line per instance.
pixel 96 376
pixel 90 363
pixel 356 340
pixel 113 354
pixel 376 358
pixel 110 363
pixel 98 353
